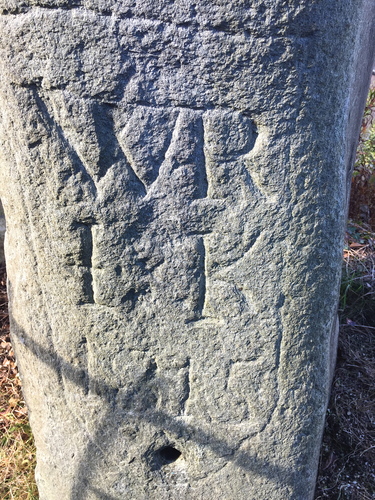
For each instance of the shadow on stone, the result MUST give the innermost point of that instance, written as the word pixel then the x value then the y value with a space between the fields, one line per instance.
pixel 166 455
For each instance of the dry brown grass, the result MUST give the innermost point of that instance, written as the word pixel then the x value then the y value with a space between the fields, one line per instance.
pixel 347 462
pixel 362 197
pixel 17 451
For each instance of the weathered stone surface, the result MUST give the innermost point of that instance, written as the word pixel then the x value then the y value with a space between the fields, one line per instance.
pixel 173 176
pixel 2 234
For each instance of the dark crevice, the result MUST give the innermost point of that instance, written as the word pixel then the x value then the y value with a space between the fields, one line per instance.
pixel 199 232
pixel 168 455
pixel 33 145
pixel 85 260
pixel 202 278
pixel 186 387
pixel 36 84
pixel 201 175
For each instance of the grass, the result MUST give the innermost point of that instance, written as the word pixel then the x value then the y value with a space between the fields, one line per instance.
pixel 17 451
pixel 347 459
pixel 362 197
pixel 358 279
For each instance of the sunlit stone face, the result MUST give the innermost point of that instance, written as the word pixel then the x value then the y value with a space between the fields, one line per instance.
pixel 174 191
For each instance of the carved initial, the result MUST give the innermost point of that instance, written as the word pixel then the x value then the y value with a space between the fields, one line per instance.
pixel 166 147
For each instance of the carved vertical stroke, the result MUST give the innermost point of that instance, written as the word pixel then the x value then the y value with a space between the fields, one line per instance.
pixel 187 389
pixel 202 179
pixel 86 262
pixel 186 152
pixel 203 277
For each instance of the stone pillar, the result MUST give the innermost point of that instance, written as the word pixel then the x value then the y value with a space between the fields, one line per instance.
pixel 175 189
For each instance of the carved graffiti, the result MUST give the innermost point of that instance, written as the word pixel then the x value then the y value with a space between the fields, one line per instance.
pixel 184 157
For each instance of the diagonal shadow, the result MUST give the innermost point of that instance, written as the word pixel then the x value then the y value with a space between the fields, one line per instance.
pixel 157 418
pixel 52 125
pixel 111 151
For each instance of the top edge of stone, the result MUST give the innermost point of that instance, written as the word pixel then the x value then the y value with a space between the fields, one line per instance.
pixel 255 17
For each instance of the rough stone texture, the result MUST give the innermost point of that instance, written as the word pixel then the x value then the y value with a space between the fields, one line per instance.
pixel 173 177
pixel 2 235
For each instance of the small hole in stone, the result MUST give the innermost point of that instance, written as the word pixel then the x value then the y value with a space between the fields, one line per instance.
pixel 169 454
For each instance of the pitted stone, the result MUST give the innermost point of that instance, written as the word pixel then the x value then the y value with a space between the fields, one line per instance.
pixel 174 178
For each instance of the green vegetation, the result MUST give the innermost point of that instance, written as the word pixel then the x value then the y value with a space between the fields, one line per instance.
pixel 362 198
pixel 358 278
